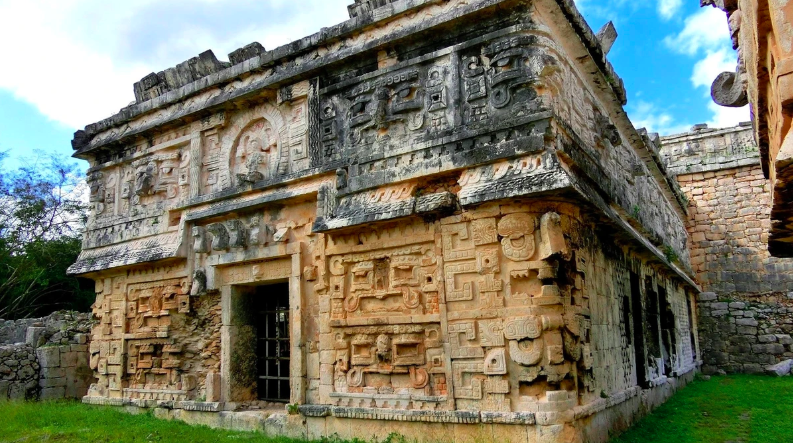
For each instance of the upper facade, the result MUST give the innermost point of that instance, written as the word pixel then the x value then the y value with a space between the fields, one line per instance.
pixel 762 35
pixel 404 90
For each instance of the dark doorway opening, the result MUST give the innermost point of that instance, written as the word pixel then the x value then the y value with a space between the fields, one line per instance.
pixel 668 331
pixel 272 341
pixel 692 336
pixel 638 332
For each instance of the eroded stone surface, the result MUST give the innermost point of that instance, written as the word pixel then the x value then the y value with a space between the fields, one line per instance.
pixel 746 321
pixel 52 363
pixel 461 232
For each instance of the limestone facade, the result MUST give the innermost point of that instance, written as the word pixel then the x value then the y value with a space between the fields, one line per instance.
pixel 761 32
pixel 746 315
pixel 435 215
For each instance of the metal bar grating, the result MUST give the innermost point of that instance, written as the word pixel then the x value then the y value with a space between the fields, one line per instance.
pixel 273 342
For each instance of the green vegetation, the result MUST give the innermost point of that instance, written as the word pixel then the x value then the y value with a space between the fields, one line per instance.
pixel 740 408
pixel 670 254
pixel 41 222
pixel 67 422
pixel 745 409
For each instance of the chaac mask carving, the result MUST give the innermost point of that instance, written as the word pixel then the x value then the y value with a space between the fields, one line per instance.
pixel 255 156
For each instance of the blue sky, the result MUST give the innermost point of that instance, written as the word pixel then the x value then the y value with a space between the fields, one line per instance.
pixel 73 62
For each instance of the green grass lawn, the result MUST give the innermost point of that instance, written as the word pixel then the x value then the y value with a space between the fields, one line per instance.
pixel 746 409
pixel 740 408
pixel 66 422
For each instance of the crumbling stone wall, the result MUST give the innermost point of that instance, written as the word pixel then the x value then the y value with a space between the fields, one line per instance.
pixel 19 372
pixel 745 334
pixel 45 358
pixel 745 317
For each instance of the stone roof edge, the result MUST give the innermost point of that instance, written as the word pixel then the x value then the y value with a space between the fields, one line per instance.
pixel 83 137
pixel 639 138
pixel 737 162
pixel 705 133
pixel 590 40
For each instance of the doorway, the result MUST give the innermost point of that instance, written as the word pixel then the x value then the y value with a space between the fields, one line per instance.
pixel 272 341
pixel 637 318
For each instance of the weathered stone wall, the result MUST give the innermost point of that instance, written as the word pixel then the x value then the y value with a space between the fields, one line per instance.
pixel 19 372
pixel 439 195
pixel 745 317
pixel 15 331
pixel 51 359
pixel 745 333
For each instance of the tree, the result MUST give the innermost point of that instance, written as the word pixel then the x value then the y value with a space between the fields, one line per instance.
pixel 42 217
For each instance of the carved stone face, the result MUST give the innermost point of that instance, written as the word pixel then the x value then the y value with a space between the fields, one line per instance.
pixel 518 241
pixel 384 347
pixel 255 155
pixel 254 146
pixel 144 179
pixel 341 178
pixel 511 66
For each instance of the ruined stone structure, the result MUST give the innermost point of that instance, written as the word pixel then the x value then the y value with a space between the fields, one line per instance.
pixel 45 358
pixel 746 317
pixel 761 32
pixel 435 215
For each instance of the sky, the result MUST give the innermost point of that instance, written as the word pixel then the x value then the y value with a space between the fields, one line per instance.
pixel 69 63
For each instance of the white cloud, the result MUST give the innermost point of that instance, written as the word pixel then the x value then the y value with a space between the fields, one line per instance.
pixel 727 117
pixel 706 35
pixel 705 30
pixel 669 8
pixel 76 60
pixel 714 63
pixel 649 116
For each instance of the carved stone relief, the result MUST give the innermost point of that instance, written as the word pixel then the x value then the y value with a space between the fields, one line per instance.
pixel 513 319
pixel 255 156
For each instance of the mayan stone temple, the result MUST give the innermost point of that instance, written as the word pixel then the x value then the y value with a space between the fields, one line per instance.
pixel 434 219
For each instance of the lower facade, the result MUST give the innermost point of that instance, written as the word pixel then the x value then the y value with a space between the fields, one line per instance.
pixel 598 422
pixel 517 320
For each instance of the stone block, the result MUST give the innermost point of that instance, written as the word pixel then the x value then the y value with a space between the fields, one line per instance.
pixel 81 339
pixel 737 305
pixel 68 358
pixel 746 322
pixel 55 393
pixel 312 365
pixel 53 382
pixel 721 306
pixel 766 339
pixel 35 336
pixel 781 369
pixel 76 387
pixel 49 357
pixel 16 391
pixel 213 387
pixel 784 339
pixel 708 296
pixel 746 330
pixel 52 373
